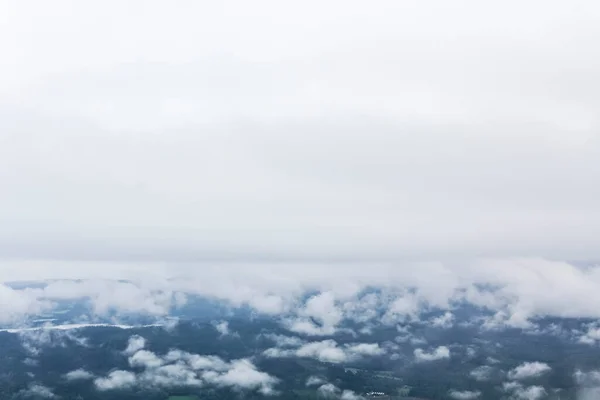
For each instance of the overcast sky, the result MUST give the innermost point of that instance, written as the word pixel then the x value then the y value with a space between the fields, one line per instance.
pixel 299 131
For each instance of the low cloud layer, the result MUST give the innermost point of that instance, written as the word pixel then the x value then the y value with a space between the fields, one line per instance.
pixel 336 165
pixel 415 136
pixel 302 160
pixel 315 299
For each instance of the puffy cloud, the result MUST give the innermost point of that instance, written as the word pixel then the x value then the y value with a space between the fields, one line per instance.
pixel 443 321
pixel 314 381
pixel 321 308
pixel 528 370
pixel 116 380
pixel 403 308
pixel 530 393
pixel 177 374
pixel 78 374
pixel 197 362
pixel 180 368
pixel 222 327
pixel 328 351
pixel 146 359
pixel 592 335
pixel 285 341
pixel 328 390
pixel 104 296
pixel 365 309
pixel 135 344
pixel 365 349
pixel 110 295
pixel 439 353
pixel 539 288
pixel 243 374
pixel 520 392
pixel 18 304
pixel 464 395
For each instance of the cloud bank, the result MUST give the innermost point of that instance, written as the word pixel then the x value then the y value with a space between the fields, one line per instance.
pixel 308 139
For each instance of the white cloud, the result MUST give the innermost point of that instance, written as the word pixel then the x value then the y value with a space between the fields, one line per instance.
pixel 243 374
pixel 529 370
pixel 253 148
pixel 464 395
pixel 321 308
pixel 403 308
pixel 222 327
pixel 515 297
pixel 443 321
pixel 109 295
pixel 224 150
pixel 328 390
pixel 146 359
pixel 314 381
pixel 285 341
pixel 116 380
pixel 134 344
pixel 439 353
pixel 268 304
pixel 592 335
pixel 19 304
pixel 365 349
pixel 177 374
pixel 364 310
pixel 180 368
pixel 78 374
pixel 328 351
pixel 197 362
pixel 519 392
pixel 37 390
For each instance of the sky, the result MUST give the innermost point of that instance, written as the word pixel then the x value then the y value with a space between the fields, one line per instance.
pixel 292 143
